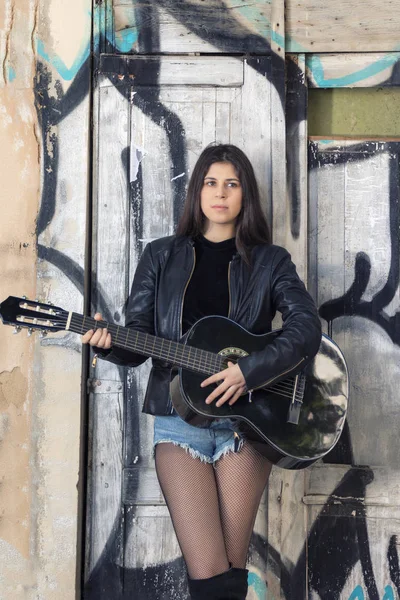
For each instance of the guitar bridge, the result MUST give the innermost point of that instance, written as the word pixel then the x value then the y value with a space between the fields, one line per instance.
pixel 295 405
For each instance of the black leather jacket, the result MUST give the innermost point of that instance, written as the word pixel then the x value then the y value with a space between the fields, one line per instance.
pixel 156 301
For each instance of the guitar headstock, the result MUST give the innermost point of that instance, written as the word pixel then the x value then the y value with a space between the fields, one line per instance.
pixel 30 314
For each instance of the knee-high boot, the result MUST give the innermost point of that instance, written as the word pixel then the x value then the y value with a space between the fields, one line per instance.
pixel 230 585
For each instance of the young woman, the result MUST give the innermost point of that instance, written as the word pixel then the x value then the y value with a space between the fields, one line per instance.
pixel 220 262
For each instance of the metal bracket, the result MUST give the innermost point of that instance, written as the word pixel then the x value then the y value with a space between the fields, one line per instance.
pixel 104 386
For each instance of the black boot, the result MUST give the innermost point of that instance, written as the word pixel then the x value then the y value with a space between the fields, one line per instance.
pixel 231 585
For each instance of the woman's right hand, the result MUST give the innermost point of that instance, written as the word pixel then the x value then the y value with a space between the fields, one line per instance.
pixel 100 338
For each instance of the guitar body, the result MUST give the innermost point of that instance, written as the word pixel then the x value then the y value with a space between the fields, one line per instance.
pixel 263 421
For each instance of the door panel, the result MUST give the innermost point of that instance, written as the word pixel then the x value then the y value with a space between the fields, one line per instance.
pixel 148 138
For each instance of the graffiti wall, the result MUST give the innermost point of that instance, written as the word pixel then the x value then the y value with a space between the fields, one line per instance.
pixel 45 170
pixel 340 508
pixel 329 533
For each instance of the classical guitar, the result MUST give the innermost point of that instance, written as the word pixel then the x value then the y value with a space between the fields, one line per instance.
pixel 293 421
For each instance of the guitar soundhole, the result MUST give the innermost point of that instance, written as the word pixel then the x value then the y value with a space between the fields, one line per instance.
pixel 232 354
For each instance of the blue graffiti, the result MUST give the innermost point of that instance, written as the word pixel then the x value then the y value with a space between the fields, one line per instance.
pixel 358 593
pixel 316 68
pixel 389 594
pixel 66 73
pixel 125 39
pixel 258 585
pixel 11 75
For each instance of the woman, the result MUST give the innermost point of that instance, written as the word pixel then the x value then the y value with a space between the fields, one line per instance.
pixel 220 262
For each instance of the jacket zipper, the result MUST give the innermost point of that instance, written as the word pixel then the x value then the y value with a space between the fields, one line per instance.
pixel 170 405
pixel 229 289
pixel 184 291
pixel 269 381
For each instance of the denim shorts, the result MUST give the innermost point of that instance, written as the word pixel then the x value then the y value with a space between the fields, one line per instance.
pixel 206 443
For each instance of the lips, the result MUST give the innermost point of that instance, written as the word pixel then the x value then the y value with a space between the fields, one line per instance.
pixel 219 207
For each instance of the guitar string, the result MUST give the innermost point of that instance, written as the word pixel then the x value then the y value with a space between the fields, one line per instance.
pixel 207 359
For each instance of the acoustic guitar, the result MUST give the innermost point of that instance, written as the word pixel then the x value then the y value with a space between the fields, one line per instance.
pixel 293 420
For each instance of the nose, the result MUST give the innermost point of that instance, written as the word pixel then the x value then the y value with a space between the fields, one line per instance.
pixel 220 191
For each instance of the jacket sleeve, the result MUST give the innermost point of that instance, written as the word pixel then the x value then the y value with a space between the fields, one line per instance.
pixel 139 311
pixel 300 337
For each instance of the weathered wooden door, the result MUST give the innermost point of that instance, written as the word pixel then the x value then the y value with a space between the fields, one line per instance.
pixel 154 115
pixel 354 195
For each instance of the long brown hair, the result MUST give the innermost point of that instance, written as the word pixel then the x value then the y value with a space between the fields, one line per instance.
pixel 251 226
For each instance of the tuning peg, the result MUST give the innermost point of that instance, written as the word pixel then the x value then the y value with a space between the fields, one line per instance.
pixel 24 297
pixel 30 331
pixel 43 333
pixel 17 329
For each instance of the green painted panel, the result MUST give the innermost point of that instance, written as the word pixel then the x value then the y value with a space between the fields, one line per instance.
pixel 354 112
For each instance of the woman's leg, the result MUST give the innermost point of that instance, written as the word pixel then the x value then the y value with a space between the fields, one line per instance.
pixel 241 478
pixel 190 491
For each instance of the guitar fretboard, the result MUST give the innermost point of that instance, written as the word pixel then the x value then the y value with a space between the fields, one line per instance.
pixel 175 353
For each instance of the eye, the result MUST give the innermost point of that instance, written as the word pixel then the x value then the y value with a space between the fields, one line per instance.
pixel 210 183
pixel 233 184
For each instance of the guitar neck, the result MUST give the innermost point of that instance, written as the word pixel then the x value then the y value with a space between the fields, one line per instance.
pixel 145 344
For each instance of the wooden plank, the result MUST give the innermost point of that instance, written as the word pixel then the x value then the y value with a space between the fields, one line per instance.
pixel 352 70
pixel 252 127
pixel 110 215
pixel 278 127
pixel 293 526
pixel 104 523
pixel 104 28
pixel 363 509
pixel 140 486
pixel 179 26
pixel 318 26
pixel 327 206
pixel 153 212
pixel 173 70
pixel 274 533
pixel 358 195
pixel 110 269
pixel 296 182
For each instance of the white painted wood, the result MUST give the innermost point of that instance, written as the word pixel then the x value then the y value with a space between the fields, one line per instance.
pixel 151 540
pixel 327 230
pixel 353 218
pixel 252 125
pixel 130 121
pixel 297 234
pixel 110 217
pixel 293 524
pixel 351 69
pixel 278 128
pixel 382 517
pixel 319 26
pixel 179 70
pixel 178 25
pixel 110 280
pixel 105 474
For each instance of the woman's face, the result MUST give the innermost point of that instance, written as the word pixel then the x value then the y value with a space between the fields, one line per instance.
pixel 221 195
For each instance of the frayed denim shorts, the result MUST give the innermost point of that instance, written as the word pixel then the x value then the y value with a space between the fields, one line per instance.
pixel 206 443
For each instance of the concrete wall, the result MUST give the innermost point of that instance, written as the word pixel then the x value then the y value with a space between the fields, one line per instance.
pixel 44 128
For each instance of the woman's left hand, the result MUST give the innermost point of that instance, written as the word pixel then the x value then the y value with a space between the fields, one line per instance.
pixel 232 385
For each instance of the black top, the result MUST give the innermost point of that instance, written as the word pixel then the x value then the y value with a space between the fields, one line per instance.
pixel 208 292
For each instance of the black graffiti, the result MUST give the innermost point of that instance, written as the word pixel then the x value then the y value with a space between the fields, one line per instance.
pixel 332 531
pixel 393 560
pixel 351 303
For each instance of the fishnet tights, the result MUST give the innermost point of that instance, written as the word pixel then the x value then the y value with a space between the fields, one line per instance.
pixel 213 508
